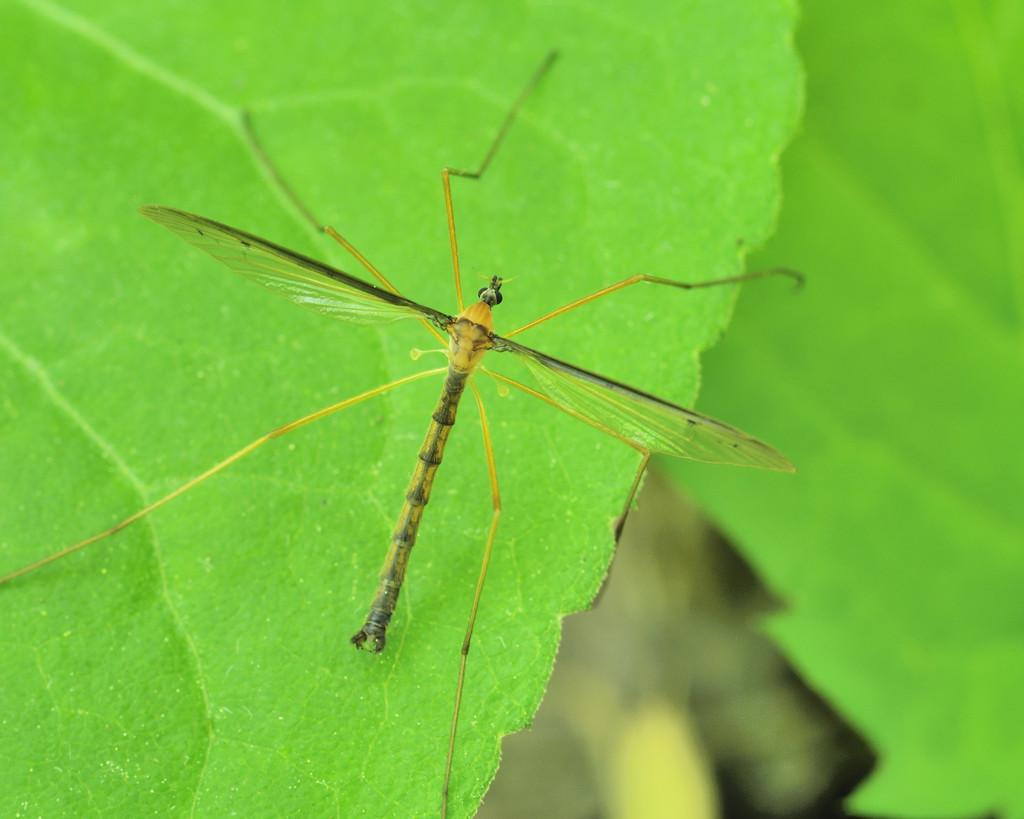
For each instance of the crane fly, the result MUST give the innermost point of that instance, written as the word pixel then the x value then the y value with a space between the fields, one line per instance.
pixel 640 420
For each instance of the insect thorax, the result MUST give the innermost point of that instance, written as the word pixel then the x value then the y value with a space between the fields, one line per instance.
pixel 470 338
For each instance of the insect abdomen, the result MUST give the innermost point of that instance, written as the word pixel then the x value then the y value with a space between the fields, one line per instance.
pixel 416 498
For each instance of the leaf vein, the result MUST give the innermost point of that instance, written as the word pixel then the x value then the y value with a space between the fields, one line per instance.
pixel 38 373
pixel 133 59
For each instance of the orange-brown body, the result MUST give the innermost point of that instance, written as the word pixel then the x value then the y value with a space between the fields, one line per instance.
pixel 470 334
pixel 470 337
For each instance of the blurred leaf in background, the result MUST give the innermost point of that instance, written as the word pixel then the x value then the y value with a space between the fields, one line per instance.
pixel 896 387
pixel 198 662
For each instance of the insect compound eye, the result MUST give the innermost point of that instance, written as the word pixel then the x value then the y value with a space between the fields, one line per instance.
pixel 489 295
pixel 498 298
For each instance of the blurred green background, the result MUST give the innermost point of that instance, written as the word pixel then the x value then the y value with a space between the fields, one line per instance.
pixel 763 648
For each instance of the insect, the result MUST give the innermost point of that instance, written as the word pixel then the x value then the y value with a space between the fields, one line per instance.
pixel 642 421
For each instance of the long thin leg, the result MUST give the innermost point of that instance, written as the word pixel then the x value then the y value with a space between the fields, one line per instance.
pixel 300 206
pixel 345 243
pixel 213 470
pixel 643 277
pixel 484 564
pixel 370 267
pixel 479 172
pixel 620 522
pixel 272 171
pixel 308 215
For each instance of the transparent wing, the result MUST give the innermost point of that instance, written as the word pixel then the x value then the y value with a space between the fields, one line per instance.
pixel 305 281
pixel 645 420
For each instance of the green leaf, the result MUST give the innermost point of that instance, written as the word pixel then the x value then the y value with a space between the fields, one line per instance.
pixel 894 383
pixel 198 661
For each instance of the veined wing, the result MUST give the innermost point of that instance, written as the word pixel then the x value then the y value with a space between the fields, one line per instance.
pixel 305 281
pixel 646 420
